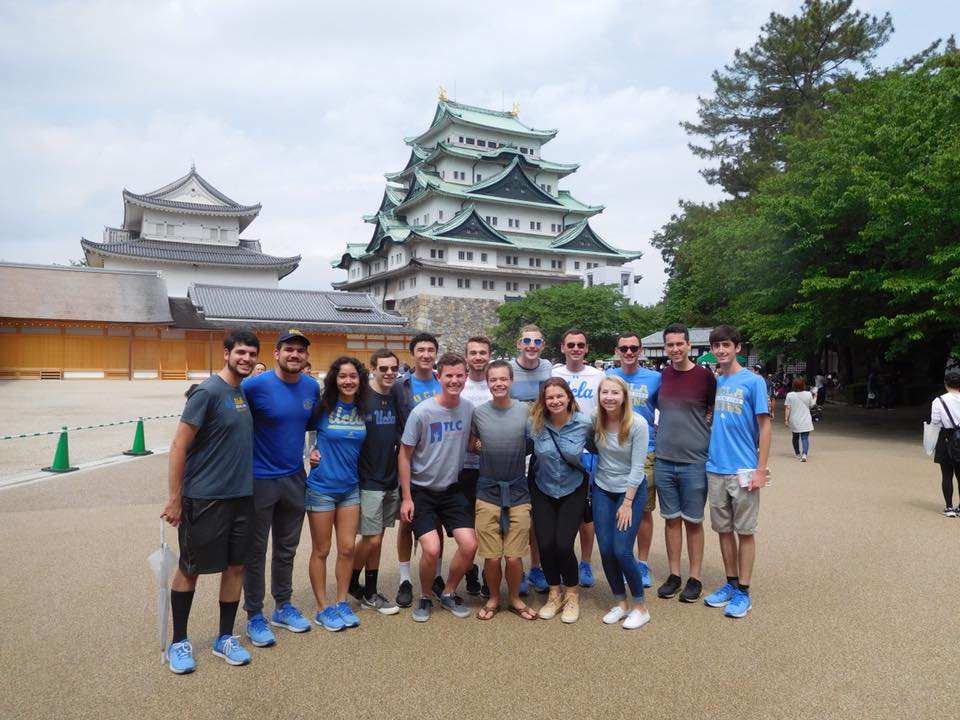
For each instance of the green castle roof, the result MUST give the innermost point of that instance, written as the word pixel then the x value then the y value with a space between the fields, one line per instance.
pixel 452 112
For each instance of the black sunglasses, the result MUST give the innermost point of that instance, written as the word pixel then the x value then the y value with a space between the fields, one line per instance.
pixel 581 346
pixel 387 368
pixel 628 348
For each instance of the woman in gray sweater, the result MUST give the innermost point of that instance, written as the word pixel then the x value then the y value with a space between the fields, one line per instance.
pixel 619 492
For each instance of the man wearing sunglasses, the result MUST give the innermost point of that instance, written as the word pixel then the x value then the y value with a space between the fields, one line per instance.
pixel 584 380
pixel 379 491
pixel 530 371
pixel 644 387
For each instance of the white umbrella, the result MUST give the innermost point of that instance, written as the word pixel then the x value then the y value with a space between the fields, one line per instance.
pixel 163 561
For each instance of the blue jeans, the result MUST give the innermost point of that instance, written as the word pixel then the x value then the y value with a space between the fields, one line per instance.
pixel 616 546
pixel 682 489
pixel 799 438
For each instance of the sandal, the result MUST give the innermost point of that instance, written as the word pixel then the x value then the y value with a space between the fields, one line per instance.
pixel 524 613
pixel 486 612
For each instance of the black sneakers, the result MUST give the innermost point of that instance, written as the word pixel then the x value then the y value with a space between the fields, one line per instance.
pixel 405 594
pixel 473 580
pixel 670 587
pixel 692 591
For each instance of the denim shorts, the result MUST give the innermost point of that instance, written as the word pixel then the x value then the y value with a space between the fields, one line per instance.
pixel 682 489
pixel 315 501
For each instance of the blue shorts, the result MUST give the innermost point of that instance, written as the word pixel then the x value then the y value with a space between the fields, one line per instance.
pixel 315 501
pixel 682 489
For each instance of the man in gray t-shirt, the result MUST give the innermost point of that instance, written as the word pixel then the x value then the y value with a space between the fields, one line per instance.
pixel 503 498
pixel 210 499
pixel 431 454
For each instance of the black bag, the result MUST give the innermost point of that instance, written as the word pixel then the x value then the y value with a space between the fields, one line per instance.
pixel 952 436
pixel 816 413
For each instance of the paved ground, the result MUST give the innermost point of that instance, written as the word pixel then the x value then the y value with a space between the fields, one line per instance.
pixel 45 405
pixel 855 604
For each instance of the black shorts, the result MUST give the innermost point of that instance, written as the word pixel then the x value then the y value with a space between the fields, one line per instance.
pixel 215 534
pixel 468 483
pixel 449 507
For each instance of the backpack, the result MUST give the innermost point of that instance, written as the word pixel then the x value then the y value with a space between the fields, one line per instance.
pixel 952 438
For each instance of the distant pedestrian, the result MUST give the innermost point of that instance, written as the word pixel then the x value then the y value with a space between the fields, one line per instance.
pixel 945 412
pixel 797 406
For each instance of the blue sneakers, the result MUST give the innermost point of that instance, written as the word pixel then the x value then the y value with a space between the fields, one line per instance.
pixel 645 573
pixel 329 619
pixel 287 616
pixel 719 598
pixel 258 632
pixel 180 657
pixel 347 614
pixel 586 574
pixel 229 648
pixel 739 606
pixel 538 579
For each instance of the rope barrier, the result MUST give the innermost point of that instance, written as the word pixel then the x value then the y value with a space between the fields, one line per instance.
pixel 88 427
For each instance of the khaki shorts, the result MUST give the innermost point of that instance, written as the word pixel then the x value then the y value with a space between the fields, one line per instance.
pixel 378 510
pixel 651 503
pixel 732 508
pixel 491 544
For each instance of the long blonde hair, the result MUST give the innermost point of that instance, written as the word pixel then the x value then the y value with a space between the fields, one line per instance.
pixel 626 414
pixel 538 411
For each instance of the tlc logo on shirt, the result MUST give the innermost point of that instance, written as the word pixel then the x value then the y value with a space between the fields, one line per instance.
pixel 438 428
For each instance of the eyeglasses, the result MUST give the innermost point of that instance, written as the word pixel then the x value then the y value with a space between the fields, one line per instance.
pixel 579 346
pixel 532 341
pixel 628 348
pixel 387 369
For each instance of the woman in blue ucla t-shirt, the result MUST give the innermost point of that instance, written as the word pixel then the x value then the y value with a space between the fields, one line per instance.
pixel 333 495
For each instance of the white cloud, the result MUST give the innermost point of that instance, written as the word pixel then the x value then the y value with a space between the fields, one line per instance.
pixel 303 107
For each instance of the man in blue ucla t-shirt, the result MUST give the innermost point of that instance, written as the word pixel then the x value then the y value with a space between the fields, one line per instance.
pixel 644 387
pixel 282 402
pixel 736 468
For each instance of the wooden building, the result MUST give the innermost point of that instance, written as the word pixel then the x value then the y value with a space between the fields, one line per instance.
pixel 73 323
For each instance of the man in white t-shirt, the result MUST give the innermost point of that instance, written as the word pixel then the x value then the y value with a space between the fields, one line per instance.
pixel 584 381
pixel 477 353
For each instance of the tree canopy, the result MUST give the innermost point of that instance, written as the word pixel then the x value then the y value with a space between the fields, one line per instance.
pixel 600 311
pixel 857 236
pixel 777 85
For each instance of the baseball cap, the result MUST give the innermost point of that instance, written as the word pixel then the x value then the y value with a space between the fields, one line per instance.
pixel 292 334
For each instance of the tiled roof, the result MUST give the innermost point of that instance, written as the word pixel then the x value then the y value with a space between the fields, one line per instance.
pixel 50 292
pixel 221 302
pixel 485 118
pixel 155 197
pixel 179 252
pixel 202 208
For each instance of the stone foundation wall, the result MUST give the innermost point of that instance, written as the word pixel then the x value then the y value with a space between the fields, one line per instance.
pixel 452 320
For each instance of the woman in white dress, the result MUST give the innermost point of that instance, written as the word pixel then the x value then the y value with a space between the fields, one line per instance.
pixel 797 408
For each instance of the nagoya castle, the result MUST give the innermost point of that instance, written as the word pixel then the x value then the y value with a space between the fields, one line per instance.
pixel 475 218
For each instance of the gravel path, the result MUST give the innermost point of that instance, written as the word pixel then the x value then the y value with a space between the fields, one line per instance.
pixel 830 636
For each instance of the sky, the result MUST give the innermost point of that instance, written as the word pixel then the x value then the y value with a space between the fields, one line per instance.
pixel 303 106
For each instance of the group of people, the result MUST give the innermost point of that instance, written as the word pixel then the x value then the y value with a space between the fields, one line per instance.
pixel 509 459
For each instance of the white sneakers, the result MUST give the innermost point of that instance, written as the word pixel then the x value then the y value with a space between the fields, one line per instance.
pixel 634 619
pixel 615 615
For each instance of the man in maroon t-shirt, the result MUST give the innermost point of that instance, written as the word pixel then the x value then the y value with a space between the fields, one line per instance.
pixel 686 400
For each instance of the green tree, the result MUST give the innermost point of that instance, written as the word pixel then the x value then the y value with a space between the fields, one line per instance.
pixel 777 86
pixel 600 311
pixel 858 237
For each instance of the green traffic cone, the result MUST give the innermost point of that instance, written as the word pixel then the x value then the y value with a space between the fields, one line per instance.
pixel 61 459
pixel 138 444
